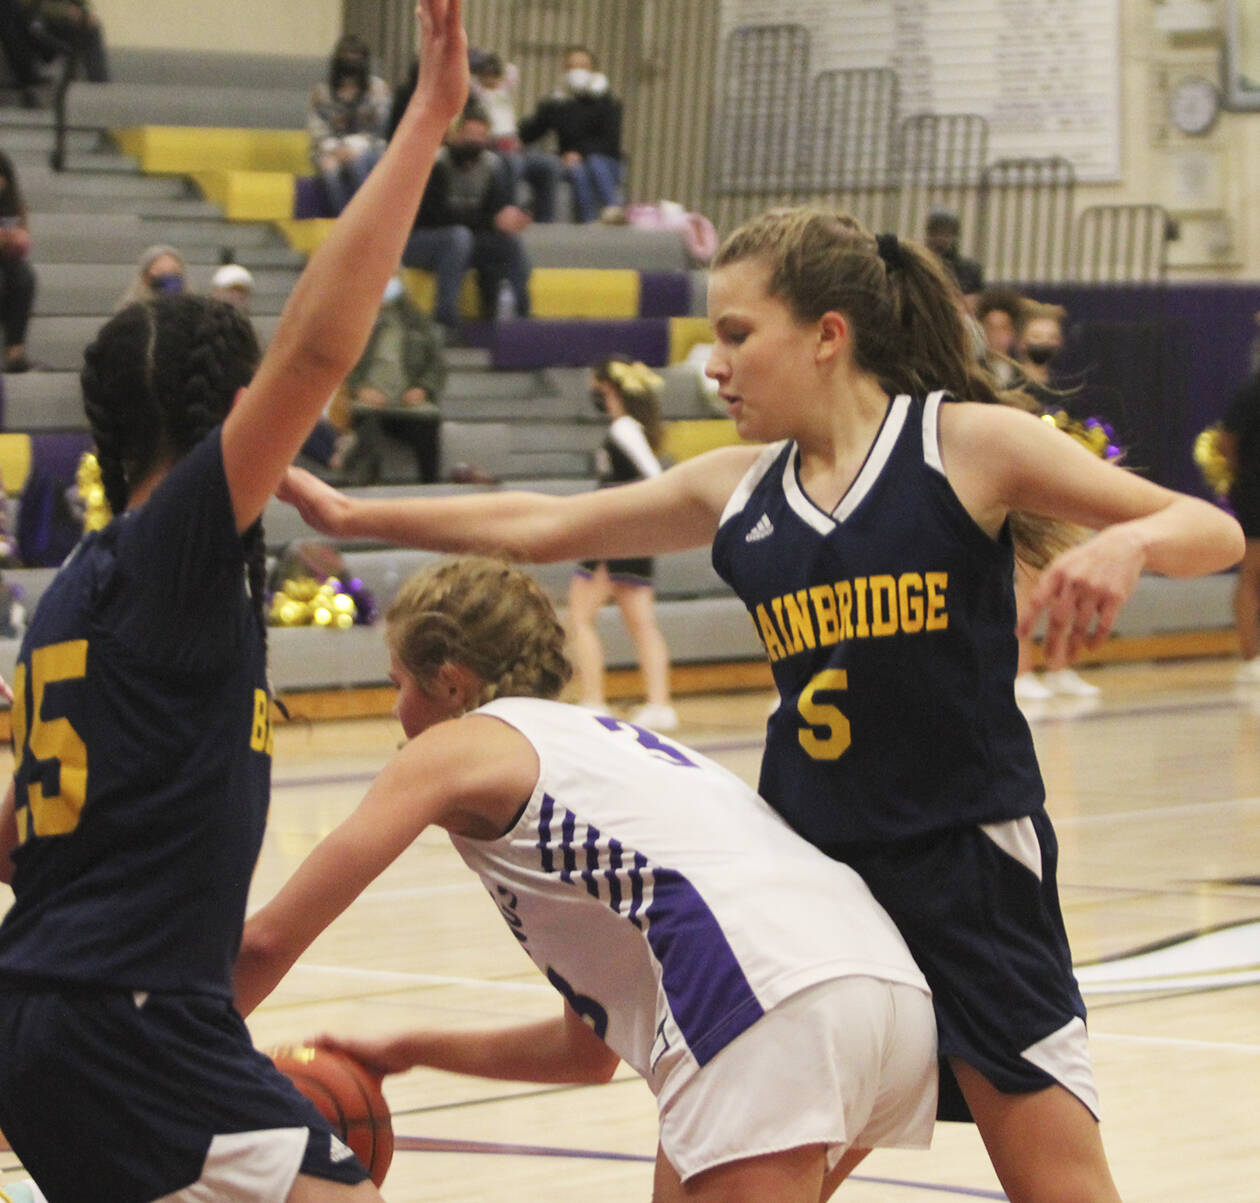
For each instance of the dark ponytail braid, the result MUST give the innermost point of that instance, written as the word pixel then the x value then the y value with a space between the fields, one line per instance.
pixel 159 376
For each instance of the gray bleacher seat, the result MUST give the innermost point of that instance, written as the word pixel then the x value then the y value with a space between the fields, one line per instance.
pixel 44 401
pixel 560 244
pixel 486 444
pixel 119 105
pixel 201 69
pixel 68 289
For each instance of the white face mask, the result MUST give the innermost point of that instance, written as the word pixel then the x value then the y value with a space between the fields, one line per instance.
pixel 393 290
pixel 577 79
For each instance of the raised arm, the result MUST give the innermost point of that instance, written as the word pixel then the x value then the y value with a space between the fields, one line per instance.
pixel 469 775
pixel 325 324
pixel 1000 460
pixel 563 1049
pixel 676 510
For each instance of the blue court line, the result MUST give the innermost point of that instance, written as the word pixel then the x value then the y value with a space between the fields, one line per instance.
pixel 436 1144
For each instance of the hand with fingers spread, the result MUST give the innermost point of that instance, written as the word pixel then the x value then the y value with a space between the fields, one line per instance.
pixel 1082 591
pixel 443 83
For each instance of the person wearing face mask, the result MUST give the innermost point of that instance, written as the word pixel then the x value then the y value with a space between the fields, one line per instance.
pixel 160 272
pixel 394 389
pixel 494 85
pixel 1038 341
pixel 469 219
pixel 347 121
pixel 628 395
pixel 585 119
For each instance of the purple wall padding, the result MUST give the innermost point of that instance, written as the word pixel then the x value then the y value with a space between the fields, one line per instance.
pixel 538 343
pixel 664 294
pixel 308 198
pixel 1159 362
pixel 58 453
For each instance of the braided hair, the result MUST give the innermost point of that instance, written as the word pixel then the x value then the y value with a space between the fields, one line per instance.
pixel 483 614
pixel 158 377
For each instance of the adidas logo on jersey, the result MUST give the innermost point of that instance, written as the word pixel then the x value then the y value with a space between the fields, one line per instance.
pixel 763 530
pixel 337 1151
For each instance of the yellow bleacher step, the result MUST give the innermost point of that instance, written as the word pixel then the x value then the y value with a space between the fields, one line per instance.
pixel 15 461
pixel 189 150
pixel 690 437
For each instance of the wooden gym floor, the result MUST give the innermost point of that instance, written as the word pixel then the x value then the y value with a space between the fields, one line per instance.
pixel 1155 792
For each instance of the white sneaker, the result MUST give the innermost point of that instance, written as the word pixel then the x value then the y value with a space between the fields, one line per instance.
pixel 1070 684
pixel 657 718
pixel 1249 672
pixel 1029 689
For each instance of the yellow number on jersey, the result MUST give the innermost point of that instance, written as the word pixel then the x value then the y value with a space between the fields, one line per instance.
pixel 819 715
pixel 51 739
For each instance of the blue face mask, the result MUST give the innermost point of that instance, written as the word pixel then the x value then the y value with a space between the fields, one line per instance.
pixel 167 285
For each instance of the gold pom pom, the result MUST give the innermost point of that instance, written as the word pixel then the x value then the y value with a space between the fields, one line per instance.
pixel 87 479
pixel 1212 462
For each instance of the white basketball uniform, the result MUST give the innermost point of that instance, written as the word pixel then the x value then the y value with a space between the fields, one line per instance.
pixel 671 907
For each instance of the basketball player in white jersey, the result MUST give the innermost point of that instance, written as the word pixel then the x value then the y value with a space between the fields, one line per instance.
pixel 753 982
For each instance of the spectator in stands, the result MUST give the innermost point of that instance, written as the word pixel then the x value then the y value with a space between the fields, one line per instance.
pixel 1038 341
pixel 20 51
pixel 941 235
pixel 468 219
pixel 1240 442
pixel 235 285
pixel 160 271
pixel 998 312
pixel 585 118
pixel 73 24
pixel 629 396
pixel 394 390
pixel 494 86
pixel 348 121
pixel 17 277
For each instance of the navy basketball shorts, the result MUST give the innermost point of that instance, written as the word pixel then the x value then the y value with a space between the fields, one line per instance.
pixel 133 1097
pixel 979 908
pixel 638 570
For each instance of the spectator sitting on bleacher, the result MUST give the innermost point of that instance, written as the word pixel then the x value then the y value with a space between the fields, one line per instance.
pixel 347 121
pixel 160 271
pixel 394 390
pixel 585 118
pixel 73 24
pixel 468 218
pixel 941 235
pixel 17 277
pixel 494 86
pixel 20 51
pixel 235 285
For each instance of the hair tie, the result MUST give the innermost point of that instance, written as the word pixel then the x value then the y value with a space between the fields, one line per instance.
pixel 889 249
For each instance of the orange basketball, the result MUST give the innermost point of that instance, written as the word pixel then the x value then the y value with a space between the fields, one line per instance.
pixel 348 1096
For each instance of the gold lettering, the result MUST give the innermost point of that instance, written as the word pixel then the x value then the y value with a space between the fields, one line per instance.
pixel 910 596
pixel 261 735
pixel 844 602
pixel 798 619
pixel 769 636
pixel 859 592
pixel 883 605
pixel 792 645
pixel 937 615
pixel 828 619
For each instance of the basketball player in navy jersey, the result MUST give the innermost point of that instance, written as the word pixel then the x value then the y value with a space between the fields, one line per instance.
pixel 675 912
pixel 873 541
pixel 141 722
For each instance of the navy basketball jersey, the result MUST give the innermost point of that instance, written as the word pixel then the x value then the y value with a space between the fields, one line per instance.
pixel 141 727
pixel 890 628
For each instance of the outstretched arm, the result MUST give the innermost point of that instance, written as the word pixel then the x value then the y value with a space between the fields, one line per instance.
pixel 999 460
pixel 563 1049
pixel 469 775
pixel 325 324
pixel 676 510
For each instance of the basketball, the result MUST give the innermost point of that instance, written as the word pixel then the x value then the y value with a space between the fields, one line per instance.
pixel 348 1096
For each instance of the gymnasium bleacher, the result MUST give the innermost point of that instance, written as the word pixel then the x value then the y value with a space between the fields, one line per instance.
pixel 207 152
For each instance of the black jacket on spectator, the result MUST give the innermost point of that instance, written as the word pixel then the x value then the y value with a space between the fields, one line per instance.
pixel 590 125
pixel 468 196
